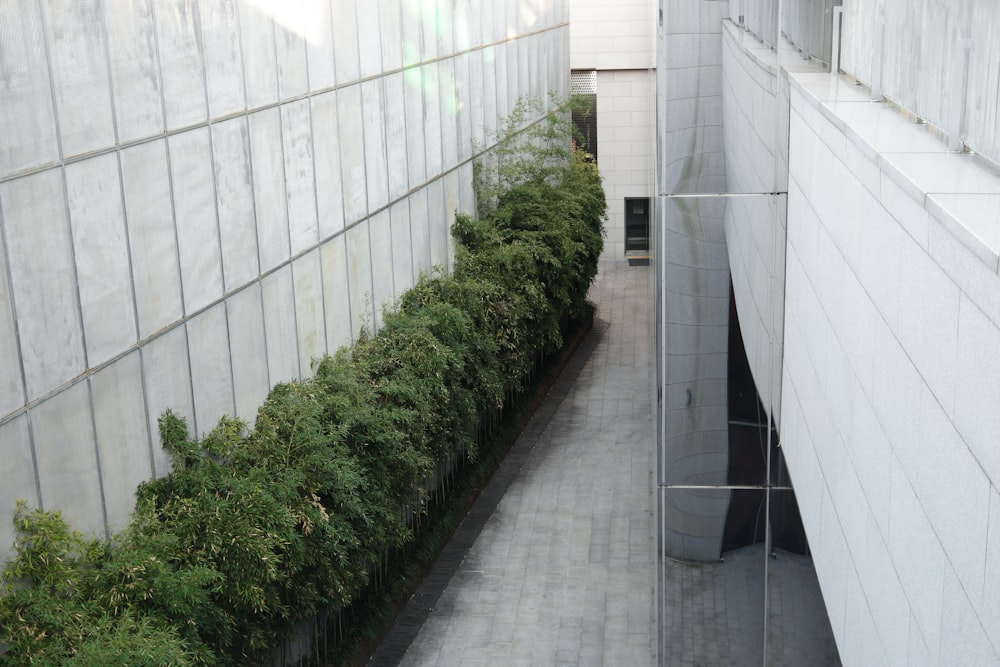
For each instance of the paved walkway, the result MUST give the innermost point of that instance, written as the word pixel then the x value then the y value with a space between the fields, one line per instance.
pixel 713 613
pixel 555 561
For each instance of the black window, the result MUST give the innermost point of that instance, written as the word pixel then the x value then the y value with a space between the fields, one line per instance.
pixel 636 224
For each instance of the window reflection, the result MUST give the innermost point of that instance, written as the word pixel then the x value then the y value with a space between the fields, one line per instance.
pixel 737 585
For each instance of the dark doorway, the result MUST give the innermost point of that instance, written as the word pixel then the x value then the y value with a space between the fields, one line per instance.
pixel 637 224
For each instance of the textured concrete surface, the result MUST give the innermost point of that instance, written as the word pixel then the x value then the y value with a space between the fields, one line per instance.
pixel 561 572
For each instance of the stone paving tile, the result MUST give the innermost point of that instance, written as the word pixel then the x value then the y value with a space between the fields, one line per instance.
pixel 561 572
pixel 554 565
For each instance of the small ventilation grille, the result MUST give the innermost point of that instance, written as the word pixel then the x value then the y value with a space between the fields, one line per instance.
pixel 583 82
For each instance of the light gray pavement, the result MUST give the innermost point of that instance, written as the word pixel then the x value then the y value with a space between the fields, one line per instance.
pixel 555 563
pixel 562 572
pixel 713 613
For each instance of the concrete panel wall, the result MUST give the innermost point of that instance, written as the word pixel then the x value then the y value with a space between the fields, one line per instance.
pixel 915 54
pixel 889 403
pixel 212 195
pixel 626 136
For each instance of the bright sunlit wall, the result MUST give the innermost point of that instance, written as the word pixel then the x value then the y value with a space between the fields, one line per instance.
pixel 198 199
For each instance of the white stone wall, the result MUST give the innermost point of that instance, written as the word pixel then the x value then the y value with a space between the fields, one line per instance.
pixel 890 404
pixel 613 35
pixel 197 199
pixel 626 139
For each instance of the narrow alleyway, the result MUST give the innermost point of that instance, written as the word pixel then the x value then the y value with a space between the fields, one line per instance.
pixel 554 564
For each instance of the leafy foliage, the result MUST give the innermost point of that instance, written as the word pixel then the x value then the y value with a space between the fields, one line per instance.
pixel 256 528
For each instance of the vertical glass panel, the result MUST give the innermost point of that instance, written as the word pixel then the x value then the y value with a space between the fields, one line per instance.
pixel 798 629
pixel 693 301
pixel 391 33
pixel 319 46
pixel 420 233
pixel 747 593
pixel 369 38
pixel 477 97
pixel 711 612
pixel 345 41
pixel 746 519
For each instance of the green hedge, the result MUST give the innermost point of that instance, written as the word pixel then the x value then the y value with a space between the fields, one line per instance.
pixel 257 528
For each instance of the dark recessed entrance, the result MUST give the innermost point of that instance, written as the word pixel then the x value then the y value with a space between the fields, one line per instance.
pixel 636 224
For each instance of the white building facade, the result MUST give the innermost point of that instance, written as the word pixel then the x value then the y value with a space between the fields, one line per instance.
pixel 198 199
pixel 616 44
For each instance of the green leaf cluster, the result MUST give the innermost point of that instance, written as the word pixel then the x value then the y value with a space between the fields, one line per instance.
pixel 256 528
